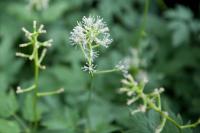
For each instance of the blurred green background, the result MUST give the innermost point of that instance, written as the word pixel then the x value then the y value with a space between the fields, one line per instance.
pixel 168 53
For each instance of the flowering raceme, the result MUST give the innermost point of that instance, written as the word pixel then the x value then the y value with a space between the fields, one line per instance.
pixel 89 34
pixel 148 101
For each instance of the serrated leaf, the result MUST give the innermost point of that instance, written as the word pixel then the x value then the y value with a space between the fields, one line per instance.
pixel 181 33
pixel 21 12
pixel 180 12
pixel 28 110
pixel 7 126
pixel 8 104
pixel 62 120
pixel 54 11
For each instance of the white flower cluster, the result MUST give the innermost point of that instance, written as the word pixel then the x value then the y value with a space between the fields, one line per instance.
pixel 124 65
pixel 89 34
pixel 89 68
pixel 91 30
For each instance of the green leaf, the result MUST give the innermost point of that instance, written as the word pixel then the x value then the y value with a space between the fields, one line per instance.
pixel 28 110
pixel 147 123
pixel 65 119
pixel 7 126
pixel 100 121
pixel 8 104
pixel 180 12
pixel 181 33
pixel 54 11
pixel 21 12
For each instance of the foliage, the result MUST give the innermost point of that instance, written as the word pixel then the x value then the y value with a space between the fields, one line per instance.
pixel 168 53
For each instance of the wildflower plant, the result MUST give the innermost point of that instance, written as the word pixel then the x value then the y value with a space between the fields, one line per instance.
pixel 37 59
pixel 148 101
pixel 90 34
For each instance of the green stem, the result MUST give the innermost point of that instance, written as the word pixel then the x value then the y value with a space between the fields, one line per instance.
pixel 22 123
pixel 50 93
pixel 143 25
pixel 95 46
pixel 88 105
pixel 159 102
pixel 158 109
pixel 191 125
pixel 163 114
pixel 83 51
pixel 106 71
pixel 25 90
pixel 161 126
pixel 173 121
pixel 90 57
pixel 35 100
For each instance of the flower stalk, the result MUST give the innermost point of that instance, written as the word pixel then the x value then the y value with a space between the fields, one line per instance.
pixel 89 34
pixel 37 59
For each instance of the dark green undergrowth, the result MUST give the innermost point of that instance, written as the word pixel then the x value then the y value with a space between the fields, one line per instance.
pixel 168 52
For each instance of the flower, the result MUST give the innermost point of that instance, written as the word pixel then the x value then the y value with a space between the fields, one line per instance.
pixel 78 36
pixel 89 68
pixel 105 41
pixel 93 54
pixel 91 30
pixel 124 65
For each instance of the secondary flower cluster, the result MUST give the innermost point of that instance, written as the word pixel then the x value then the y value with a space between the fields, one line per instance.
pixel 124 66
pixel 135 92
pixel 89 34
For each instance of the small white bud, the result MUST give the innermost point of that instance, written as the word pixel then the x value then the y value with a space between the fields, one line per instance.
pixel 43 31
pixel 145 80
pixel 132 100
pixel 41 28
pixel 24 45
pixel 161 90
pixel 130 93
pixel 25 30
pixel 22 55
pixel 129 77
pixel 34 24
pixel 142 108
pixel 19 90
pixel 31 57
pixel 60 90
pixel 166 113
pixel 42 67
pixel 27 33
pixel 158 91
pixel 133 112
pixel 48 43
pixel 124 81
pixel 122 90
